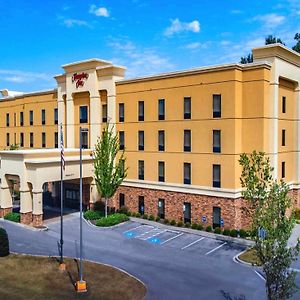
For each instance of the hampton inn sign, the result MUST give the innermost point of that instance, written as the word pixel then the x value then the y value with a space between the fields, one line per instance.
pixel 79 79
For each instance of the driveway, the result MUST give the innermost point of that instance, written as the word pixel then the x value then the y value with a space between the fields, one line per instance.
pixel 173 265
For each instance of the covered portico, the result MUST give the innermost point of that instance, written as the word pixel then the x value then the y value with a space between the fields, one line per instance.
pixel 32 169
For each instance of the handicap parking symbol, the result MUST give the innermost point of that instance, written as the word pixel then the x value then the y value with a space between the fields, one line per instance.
pixel 154 240
pixel 129 234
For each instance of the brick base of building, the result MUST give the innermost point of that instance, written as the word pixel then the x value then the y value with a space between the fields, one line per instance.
pixel 26 218
pixel 234 212
pixel 5 211
pixel 37 220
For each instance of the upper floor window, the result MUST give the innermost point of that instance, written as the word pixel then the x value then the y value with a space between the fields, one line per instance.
pixel 121 112
pixel 85 140
pixel 161 171
pixel 217 176
pixel 31 140
pixel 283 169
pixel 283 137
pixel 216 141
pixel 55 139
pixel 43 117
pixel 141 110
pixel 55 116
pixel 141 169
pixel 217 106
pixel 187 108
pixel 31 117
pixel 83 114
pixel 161 109
pixel 7 140
pixel 104 113
pixel 161 140
pixel 187 141
pixel 283 104
pixel 43 139
pixel 21 118
pixel 7 119
pixel 21 139
pixel 121 140
pixel 187 173
pixel 15 119
pixel 141 140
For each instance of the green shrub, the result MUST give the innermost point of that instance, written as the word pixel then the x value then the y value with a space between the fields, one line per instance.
pixel 180 224
pixel 218 230
pixel 92 215
pixel 173 223
pixel 187 225
pixel 243 233
pixel 129 213
pixel 296 213
pixel 123 210
pixel 12 216
pixel 4 243
pixel 166 221
pixel 111 220
pixel 151 218
pixel 138 215
pixel 195 226
pixel 226 232
pixel 99 206
pixel 208 228
pixel 200 227
pixel 145 216
pixel 233 233
pixel 157 219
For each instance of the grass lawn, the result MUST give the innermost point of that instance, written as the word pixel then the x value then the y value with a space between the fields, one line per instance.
pixel 35 278
pixel 250 256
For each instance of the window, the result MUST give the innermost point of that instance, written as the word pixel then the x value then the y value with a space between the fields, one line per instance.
pixel 161 140
pixel 283 105
pixel 31 117
pixel 216 216
pixel 161 171
pixel 187 173
pixel 83 114
pixel 55 116
pixel 216 176
pixel 283 137
pixel 141 207
pixel 21 118
pixel 55 139
pixel 187 212
pixel 104 113
pixel 141 140
pixel 161 109
pixel 187 108
pixel 121 140
pixel 121 112
pixel 161 208
pixel 187 141
pixel 85 140
pixel 15 119
pixel 7 140
pixel 7 120
pixel 43 139
pixel 141 110
pixel 121 200
pixel 141 169
pixel 122 166
pixel 283 169
pixel 31 139
pixel 217 141
pixel 217 106
pixel 21 139
pixel 43 117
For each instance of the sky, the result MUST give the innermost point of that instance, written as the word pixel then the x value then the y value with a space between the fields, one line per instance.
pixel 146 36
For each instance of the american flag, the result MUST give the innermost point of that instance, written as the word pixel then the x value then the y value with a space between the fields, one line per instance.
pixel 62 149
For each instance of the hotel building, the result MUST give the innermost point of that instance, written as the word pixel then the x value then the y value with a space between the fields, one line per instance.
pixel 182 132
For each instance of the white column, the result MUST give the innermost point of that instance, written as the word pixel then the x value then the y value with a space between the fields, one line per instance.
pixel 297 175
pixel 70 123
pixel 5 194
pixel 37 201
pixel 95 119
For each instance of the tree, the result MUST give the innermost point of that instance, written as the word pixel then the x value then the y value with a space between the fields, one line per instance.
pixel 270 39
pixel 247 59
pixel 297 46
pixel 272 226
pixel 109 164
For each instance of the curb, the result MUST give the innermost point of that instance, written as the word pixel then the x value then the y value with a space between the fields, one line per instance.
pixel 237 260
pixel 89 223
pixel 21 225
pixel 220 237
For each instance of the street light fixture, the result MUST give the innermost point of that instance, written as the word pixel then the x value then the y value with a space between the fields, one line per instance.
pixel 81 284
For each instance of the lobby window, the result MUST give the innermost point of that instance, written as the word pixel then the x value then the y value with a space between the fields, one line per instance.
pixel 85 140
pixel 55 139
pixel 161 171
pixel 31 140
pixel 141 140
pixel 43 117
pixel 283 104
pixel 141 169
pixel 283 137
pixel 217 106
pixel 31 117
pixel 7 140
pixel 7 120
pixel 141 110
pixel 161 109
pixel 161 140
pixel 121 200
pixel 55 116
pixel 21 139
pixel 104 113
pixel 217 176
pixel 217 141
pixel 187 141
pixel 121 140
pixel 283 169
pixel 83 114
pixel 121 112
pixel 187 173
pixel 187 108
pixel 21 118
pixel 43 139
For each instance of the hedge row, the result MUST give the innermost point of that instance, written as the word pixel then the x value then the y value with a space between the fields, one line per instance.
pixel 12 216
pixel 112 220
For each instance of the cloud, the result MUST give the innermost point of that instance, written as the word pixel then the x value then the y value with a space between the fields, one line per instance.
pixel 197 45
pixel 17 76
pixel 177 26
pixel 270 21
pixel 99 12
pixel 74 22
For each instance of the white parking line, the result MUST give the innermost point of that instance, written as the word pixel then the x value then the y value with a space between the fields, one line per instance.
pixel 136 228
pixel 153 235
pixel 144 233
pixel 192 243
pixel 215 248
pixel 260 276
pixel 172 238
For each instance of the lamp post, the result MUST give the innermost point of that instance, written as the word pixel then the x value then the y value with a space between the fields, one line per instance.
pixel 81 284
